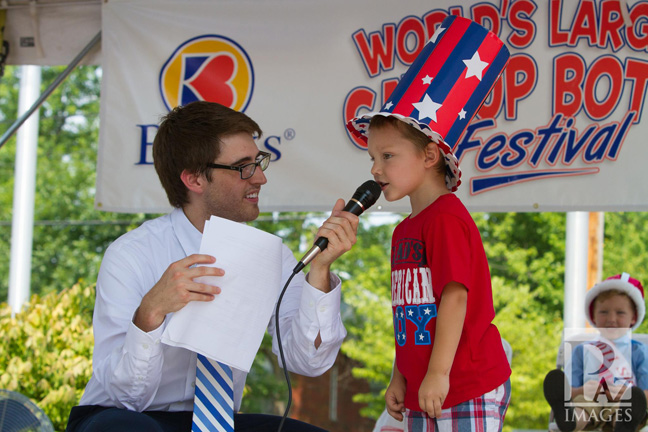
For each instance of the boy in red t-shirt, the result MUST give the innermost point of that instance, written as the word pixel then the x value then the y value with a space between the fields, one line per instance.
pixel 451 372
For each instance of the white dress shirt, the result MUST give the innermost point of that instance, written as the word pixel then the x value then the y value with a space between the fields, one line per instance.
pixel 133 370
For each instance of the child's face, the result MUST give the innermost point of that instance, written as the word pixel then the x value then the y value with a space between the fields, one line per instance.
pixel 615 312
pixel 398 165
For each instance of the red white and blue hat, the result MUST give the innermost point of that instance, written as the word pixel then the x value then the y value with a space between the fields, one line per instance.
pixel 445 86
pixel 621 282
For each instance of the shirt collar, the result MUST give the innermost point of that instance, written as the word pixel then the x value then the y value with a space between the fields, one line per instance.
pixel 187 234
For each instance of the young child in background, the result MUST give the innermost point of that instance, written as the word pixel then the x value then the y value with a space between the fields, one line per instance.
pixel 614 366
pixel 451 372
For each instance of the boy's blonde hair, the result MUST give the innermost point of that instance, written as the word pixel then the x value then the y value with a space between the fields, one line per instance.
pixel 416 137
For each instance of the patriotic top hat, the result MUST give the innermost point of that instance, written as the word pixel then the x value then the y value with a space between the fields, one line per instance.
pixel 445 86
pixel 624 283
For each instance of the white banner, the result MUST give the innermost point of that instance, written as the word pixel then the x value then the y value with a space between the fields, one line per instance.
pixel 564 130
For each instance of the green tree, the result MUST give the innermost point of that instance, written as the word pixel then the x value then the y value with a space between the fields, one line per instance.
pixel 70 236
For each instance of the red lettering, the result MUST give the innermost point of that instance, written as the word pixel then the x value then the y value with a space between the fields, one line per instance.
pixel 410 26
pixel 520 76
pixel 357 99
pixel 432 19
pixel 524 29
pixel 569 71
pixel 388 87
pixel 637 72
pixel 486 12
pixel 377 52
pixel 456 11
pixel 556 36
pixel 637 34
pixel 584 24
pixel 611 25
pixel 611 68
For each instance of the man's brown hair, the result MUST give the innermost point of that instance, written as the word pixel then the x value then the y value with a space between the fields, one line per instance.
pixel 189 138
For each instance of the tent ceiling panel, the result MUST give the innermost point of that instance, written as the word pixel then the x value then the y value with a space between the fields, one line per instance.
pixel 51 32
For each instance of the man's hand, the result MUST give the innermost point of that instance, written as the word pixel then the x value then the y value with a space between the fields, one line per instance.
pixel 340 230
pixel 395 397
pixel 432 393
pixel 175 289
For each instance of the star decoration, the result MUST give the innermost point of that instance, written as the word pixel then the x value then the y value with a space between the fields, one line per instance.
pixel 421 337
pixel 410 312
pixel 436 34
pixel 427 108
pixel 462 114
pixel 427 79
pixel 475 66
pixel 389 105
pixel 427 311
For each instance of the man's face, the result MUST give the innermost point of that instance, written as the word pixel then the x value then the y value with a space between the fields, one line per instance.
pixel 227 195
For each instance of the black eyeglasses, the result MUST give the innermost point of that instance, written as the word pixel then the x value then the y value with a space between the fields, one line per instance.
pixel 247 170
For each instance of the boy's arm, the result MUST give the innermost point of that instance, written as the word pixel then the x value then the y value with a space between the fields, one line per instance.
pixel 395 395
pixel 450 321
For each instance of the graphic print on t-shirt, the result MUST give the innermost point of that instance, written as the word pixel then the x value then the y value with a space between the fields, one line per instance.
pixel 412 296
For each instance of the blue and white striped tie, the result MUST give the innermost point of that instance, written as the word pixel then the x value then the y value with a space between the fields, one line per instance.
pixel 213 401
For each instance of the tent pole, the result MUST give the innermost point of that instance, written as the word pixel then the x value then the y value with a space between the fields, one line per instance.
pixel 576 250
pixel 22 224
pixel 9 133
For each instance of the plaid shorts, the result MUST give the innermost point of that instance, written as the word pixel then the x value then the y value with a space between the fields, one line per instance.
pixel 481 414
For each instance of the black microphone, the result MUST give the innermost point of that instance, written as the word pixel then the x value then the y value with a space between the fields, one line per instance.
pixel 363 198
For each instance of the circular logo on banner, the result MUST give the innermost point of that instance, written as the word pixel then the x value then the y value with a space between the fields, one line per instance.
pixel 209 68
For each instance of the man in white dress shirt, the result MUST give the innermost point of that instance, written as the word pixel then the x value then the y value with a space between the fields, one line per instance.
pixel 209 164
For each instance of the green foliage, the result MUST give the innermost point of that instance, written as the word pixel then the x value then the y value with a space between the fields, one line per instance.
pixel 367 295
pixel 46 350
pixel 70 236
pixel 626 245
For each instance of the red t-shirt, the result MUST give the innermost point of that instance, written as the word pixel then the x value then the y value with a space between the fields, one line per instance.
pixel 440 245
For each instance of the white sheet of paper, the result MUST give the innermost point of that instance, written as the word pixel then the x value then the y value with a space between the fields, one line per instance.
pixel 231 327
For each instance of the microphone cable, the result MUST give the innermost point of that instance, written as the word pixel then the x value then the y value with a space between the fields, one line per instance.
pixel 281 353
pixel 363 198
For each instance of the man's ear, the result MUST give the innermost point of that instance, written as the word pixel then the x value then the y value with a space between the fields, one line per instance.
pixel 193 181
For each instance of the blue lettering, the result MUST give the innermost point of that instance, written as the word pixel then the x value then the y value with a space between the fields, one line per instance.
pixel 490 150
pixel 466 143
pixel 596 148
pixel 510 159
pixel 399 326
pixel 271 148
pixel 546 134
pixel 421 315
pixel 571 150
pixel 620 136
pixel 145 144
pixel 557 149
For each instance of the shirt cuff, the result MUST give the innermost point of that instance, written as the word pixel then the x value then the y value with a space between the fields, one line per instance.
pixel 322 309
pixel 143 345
